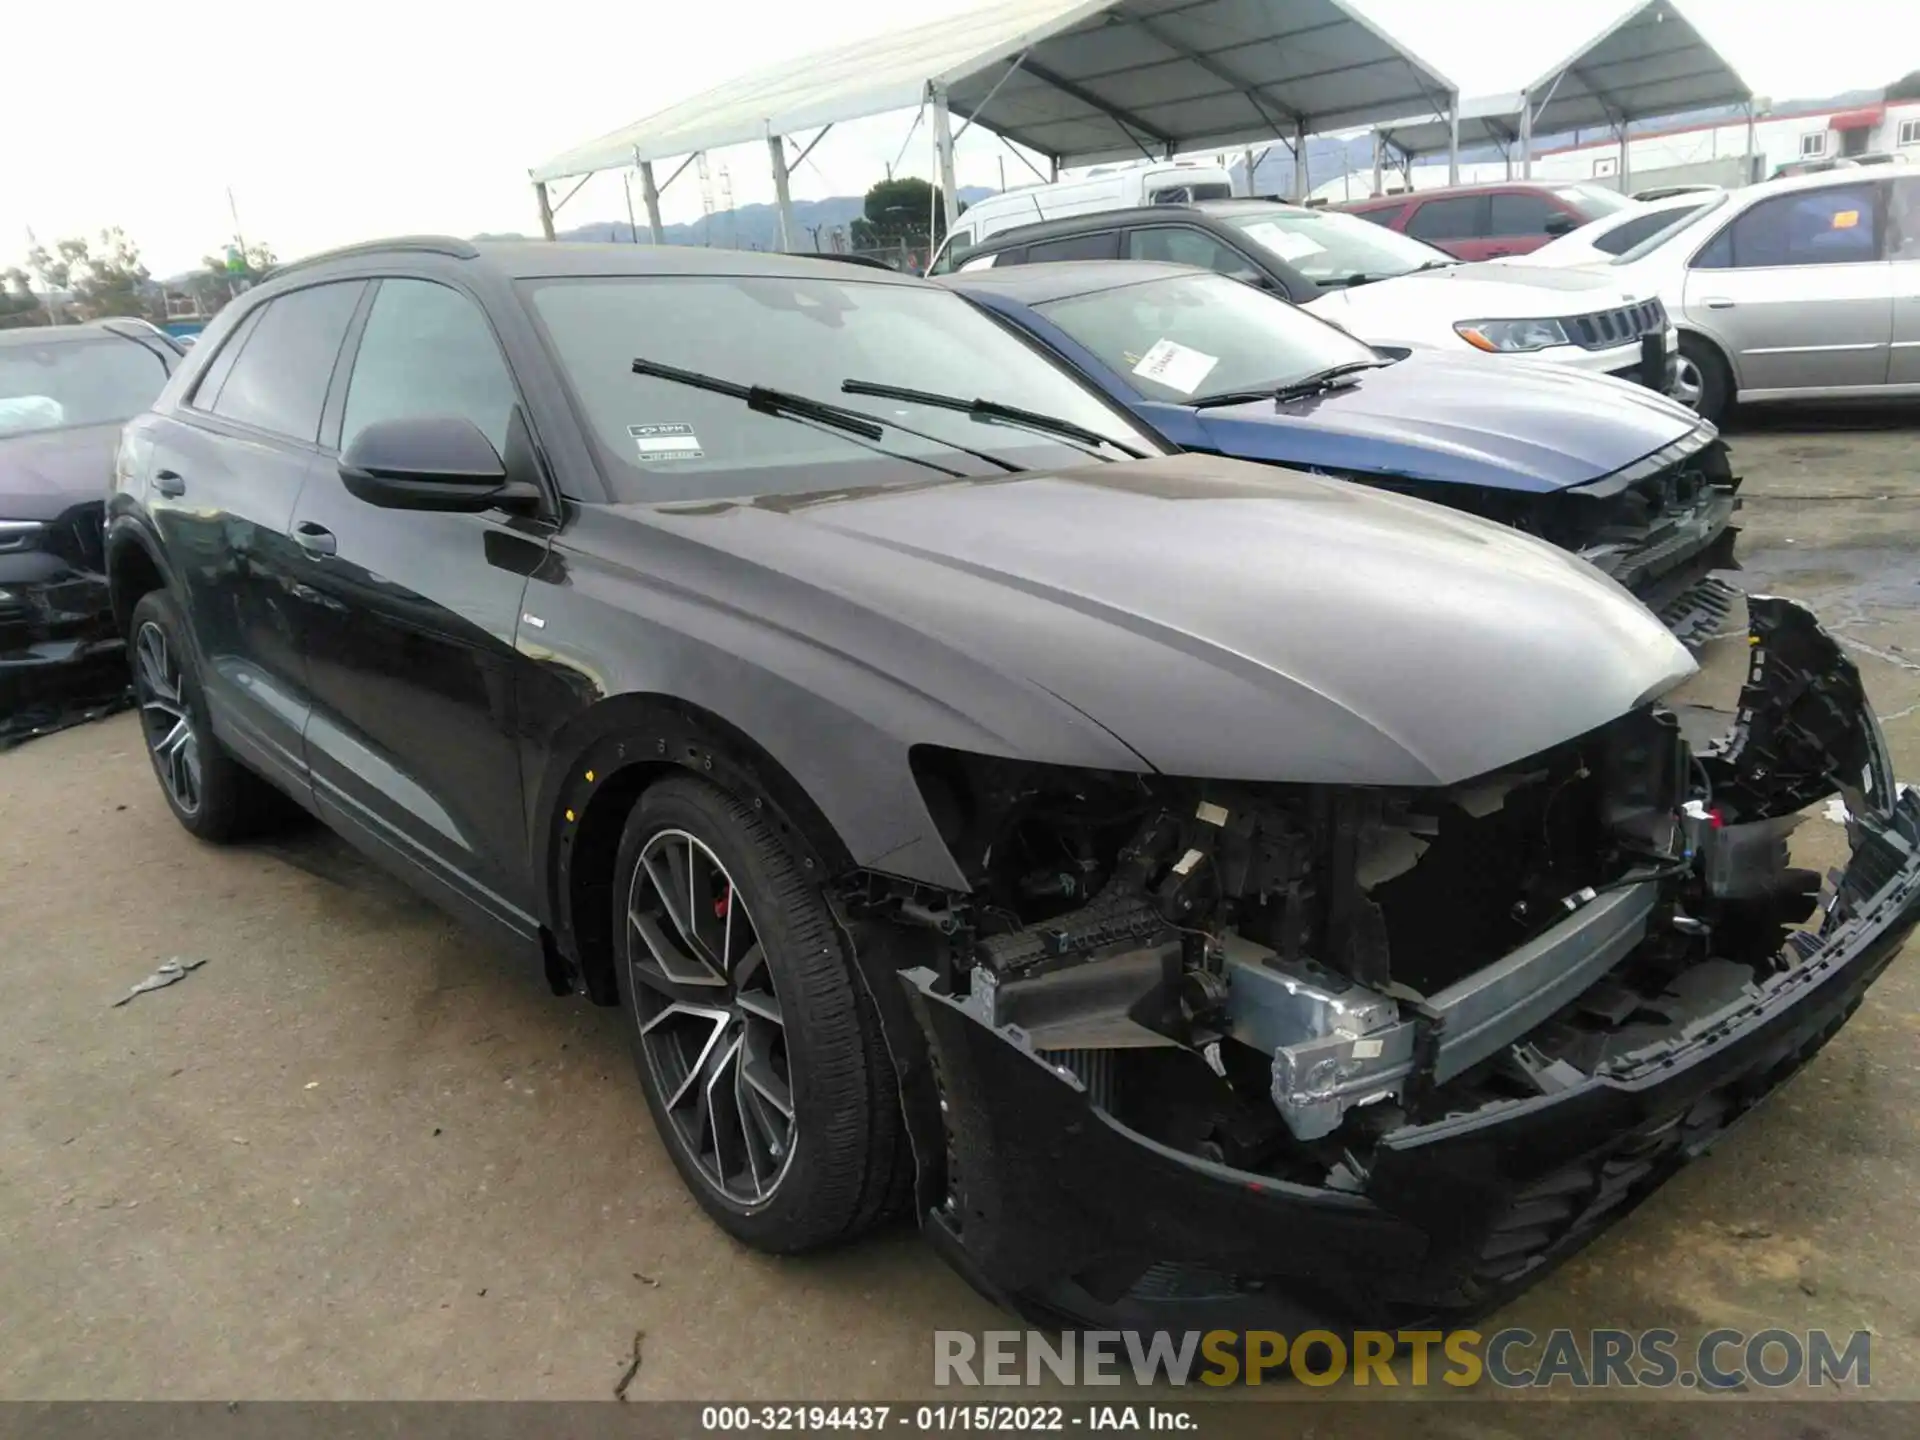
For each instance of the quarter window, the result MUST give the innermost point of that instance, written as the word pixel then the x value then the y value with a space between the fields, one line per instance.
pixel 279 381
pixel 428 351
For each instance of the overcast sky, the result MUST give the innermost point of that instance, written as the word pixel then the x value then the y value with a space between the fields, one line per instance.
pixel 358 118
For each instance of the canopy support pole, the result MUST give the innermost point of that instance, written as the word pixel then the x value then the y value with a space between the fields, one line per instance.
pixel 546 208
pixel 943 143
pixel 1626 161
pixel 1379 160
pixel 651 193
pixel 783 198
pixel 1453 140
pixel 1526 140
pixel 1299 162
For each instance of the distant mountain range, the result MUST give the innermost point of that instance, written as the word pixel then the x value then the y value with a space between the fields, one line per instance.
pixel 750 227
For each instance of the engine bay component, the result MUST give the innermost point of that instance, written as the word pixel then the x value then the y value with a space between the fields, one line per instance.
pixel 1335 1044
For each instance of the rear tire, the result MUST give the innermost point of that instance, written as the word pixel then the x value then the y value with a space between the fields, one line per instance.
pixel 758 1050
pixel 1702 381
pixel 210 793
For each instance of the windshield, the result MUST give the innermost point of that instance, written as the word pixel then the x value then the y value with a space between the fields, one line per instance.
pixel 663 441
pixel 1194 335
pixel 1593 201
pixel 1680 219
pixel 58 384
pixel 1330 246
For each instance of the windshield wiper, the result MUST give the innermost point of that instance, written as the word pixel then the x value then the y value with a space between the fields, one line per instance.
pixel 990 411
pixel 1306 385
pixel 1434 265
pixel 789 406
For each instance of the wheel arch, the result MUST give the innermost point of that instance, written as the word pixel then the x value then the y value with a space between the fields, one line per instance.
pixel 135 567
pixel 599 768
pixel 1719 348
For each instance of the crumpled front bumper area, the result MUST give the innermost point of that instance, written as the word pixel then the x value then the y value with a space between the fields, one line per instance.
pixel 1057 1209
pixel 54 608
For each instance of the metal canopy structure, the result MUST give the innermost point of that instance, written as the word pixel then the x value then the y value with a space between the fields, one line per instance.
pixel 1482 120
pixel 1079 81
pixel 1649 62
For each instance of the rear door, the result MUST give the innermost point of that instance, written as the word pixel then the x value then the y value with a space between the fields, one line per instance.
pixel 1903 250
pixel 1456 224
pixel 224 478
pixel 1799 290
pixel 408 618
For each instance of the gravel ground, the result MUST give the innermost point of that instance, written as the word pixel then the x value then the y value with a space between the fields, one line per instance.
pixel 358 1155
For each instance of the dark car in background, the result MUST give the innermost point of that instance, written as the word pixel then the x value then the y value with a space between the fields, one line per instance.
pixel 1191 888
pixel 1486 222
pixel 1625 478
pixel 65 391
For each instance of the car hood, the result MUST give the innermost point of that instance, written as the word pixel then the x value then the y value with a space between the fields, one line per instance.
pixel 1460 419
pixel 1486 291
pixel 45 472
pixel 1219 618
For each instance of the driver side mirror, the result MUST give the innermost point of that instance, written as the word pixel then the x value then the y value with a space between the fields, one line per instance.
pixel 437 462
pixel 1561 224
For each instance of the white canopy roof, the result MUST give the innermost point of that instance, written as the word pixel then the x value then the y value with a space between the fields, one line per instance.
pixel 1649 62
pixel 1095 80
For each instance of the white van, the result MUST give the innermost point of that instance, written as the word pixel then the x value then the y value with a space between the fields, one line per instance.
pixel 1108 187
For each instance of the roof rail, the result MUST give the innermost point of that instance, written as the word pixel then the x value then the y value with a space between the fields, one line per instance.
pixel 415 244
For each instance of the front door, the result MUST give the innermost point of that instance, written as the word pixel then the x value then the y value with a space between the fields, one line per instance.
pixel 409 618
pixel 1798 289
pixel 225 480
pixel 1903 250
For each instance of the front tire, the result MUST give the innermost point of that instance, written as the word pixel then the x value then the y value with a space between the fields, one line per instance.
pixel 210 793
pixel 758 1051
pixel 1701 380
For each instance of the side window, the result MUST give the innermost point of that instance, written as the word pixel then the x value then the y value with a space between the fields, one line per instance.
pixel 207 391
pixel 279 382
pixel 428 351
pixel 1838 225
pixel 1183 245
pixel 1515 212
pixel 1629 233
pixel 1100 245
pixel 1903 223
pixel 956 244
pixel 1460 218
pixel 1383 215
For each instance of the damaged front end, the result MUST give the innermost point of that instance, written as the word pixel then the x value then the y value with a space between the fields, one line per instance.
pixel 1660 526
pixel 1286 1054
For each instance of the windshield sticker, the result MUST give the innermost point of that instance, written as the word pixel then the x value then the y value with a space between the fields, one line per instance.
pixel 1173 365
pixel 666 442
pixel 1287 244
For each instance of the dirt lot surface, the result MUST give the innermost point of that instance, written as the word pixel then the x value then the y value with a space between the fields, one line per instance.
pixel 356 1154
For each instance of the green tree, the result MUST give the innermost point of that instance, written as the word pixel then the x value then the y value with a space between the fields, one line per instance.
pixel 18 304
pixel 897 211
pixel 107 281
pixel 232 274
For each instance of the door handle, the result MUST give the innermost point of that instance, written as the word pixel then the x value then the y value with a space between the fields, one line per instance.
pixel 316 540
pixel 168 482
pixel 1718 302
